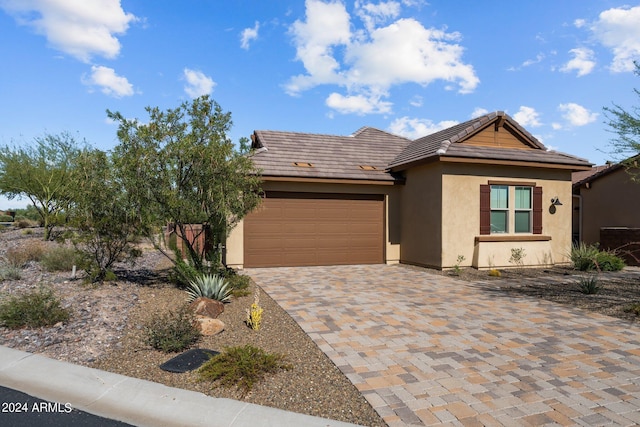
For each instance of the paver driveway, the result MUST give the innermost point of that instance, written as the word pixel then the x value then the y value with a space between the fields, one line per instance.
pixel 426 349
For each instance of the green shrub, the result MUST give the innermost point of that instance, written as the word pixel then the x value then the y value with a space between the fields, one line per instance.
pixel 183 273
pixel 242 367
pixel 609 261
pixel 633 308
pixel 6 218
pixel 59 258
pixel 209 286
pixel 238 283
pixel 9 272
pixel 33 310
pixel 590 257
pixel 21 255
pixel 172 331
pixel 589 285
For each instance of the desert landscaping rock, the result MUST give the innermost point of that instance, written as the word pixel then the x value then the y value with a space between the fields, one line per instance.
pixel 210 327
pixel 207 307
pixel 106 332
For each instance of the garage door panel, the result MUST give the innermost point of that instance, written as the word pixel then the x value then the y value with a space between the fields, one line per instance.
pixel 315 229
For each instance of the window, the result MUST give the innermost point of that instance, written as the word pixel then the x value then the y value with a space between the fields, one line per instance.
pixel 499 209
pixel 522 222
pixel 509 208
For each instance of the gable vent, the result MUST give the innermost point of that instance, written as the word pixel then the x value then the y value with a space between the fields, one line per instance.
pixel 303 164
pixel 368 168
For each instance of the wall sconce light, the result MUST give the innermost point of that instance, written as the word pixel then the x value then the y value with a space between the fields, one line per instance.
pixel 556 202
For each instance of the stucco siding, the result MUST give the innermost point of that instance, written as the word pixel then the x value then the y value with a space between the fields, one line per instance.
pixel 422 216
pixel 612 200
pixel 461 217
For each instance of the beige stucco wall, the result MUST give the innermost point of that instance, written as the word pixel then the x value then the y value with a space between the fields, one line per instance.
pixel 461 216
pixel 612 201
pixel 235 249
pixel 422 216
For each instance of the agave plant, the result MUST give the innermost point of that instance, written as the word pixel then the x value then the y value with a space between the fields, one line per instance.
pixel 210 286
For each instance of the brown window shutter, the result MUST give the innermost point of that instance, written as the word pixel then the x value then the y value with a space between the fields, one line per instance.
pixel 537 210
pixel 485 209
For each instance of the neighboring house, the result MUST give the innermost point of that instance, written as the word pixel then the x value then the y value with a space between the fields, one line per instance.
pixel 476 190
pixel 606 206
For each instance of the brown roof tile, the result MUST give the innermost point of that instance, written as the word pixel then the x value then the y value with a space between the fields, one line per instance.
pixel 447 142
pixel 341 157
pixel 331 156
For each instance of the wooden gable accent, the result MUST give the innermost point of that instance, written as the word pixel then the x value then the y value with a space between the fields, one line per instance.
pixel 499 135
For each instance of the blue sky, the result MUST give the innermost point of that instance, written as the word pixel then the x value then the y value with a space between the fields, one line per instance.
pixel 324 66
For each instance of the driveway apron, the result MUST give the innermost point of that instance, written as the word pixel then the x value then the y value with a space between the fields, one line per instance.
pixel 426 349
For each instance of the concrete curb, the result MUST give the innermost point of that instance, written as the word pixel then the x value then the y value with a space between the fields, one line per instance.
pixel 135 401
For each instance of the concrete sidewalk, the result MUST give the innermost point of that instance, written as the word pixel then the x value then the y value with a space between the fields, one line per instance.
pixel 134 401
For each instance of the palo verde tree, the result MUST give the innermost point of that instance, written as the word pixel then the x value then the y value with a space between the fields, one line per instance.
pixel 41 172
pixel 626 125
pixel 104 225
pixel 180 167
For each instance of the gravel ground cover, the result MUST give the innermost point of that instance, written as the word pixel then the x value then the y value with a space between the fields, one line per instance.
pixel 105 330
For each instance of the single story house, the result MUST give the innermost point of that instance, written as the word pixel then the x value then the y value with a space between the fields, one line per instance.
pixel 466 196
pixel 606 202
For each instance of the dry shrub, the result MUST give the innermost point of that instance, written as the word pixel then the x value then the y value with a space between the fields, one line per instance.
pixel 20 256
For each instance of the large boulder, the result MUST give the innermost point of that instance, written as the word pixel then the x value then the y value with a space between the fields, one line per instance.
pixel 209 326
pixel 207 307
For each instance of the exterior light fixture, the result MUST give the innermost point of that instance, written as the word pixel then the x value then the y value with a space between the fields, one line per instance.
pixel 556 202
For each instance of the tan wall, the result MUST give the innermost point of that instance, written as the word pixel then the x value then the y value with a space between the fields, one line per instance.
pixel 422 216
pixel 461 216
pixel 235 249
pixel 612 201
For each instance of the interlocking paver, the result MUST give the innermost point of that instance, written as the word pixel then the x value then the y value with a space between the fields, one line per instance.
pixel 426 349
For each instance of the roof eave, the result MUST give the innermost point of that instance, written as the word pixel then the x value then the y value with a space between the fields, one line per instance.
pixel 359 181
pixel 457 159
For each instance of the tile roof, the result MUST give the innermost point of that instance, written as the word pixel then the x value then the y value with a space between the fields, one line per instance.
pixel 580 177
pixel 342 157
pixel 331 156
pixel 447 142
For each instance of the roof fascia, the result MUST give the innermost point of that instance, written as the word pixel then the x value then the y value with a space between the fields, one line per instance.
pixel 451 159
pixel 332 180
pixel 513 163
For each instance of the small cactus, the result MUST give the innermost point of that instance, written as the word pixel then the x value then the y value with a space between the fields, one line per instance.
pixel 254 314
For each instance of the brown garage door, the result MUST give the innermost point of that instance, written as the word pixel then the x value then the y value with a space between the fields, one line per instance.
pixel 297 229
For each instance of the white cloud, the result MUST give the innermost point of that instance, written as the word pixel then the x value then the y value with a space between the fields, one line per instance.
pixel 109 82
pixel 477 112
pixel 406 52
pixel 80 28
pixel 579 23
pixel 583 62
pixel 527 63
pixel 414 128
pixel 539 58
pixel 527 117
pixel 416 101
pixel 368 62
pixel 375 14
pixel 198 83
pixel 327 25
pixel 619 30
pixel 248 35
pixel 357 104
pixel 576 114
